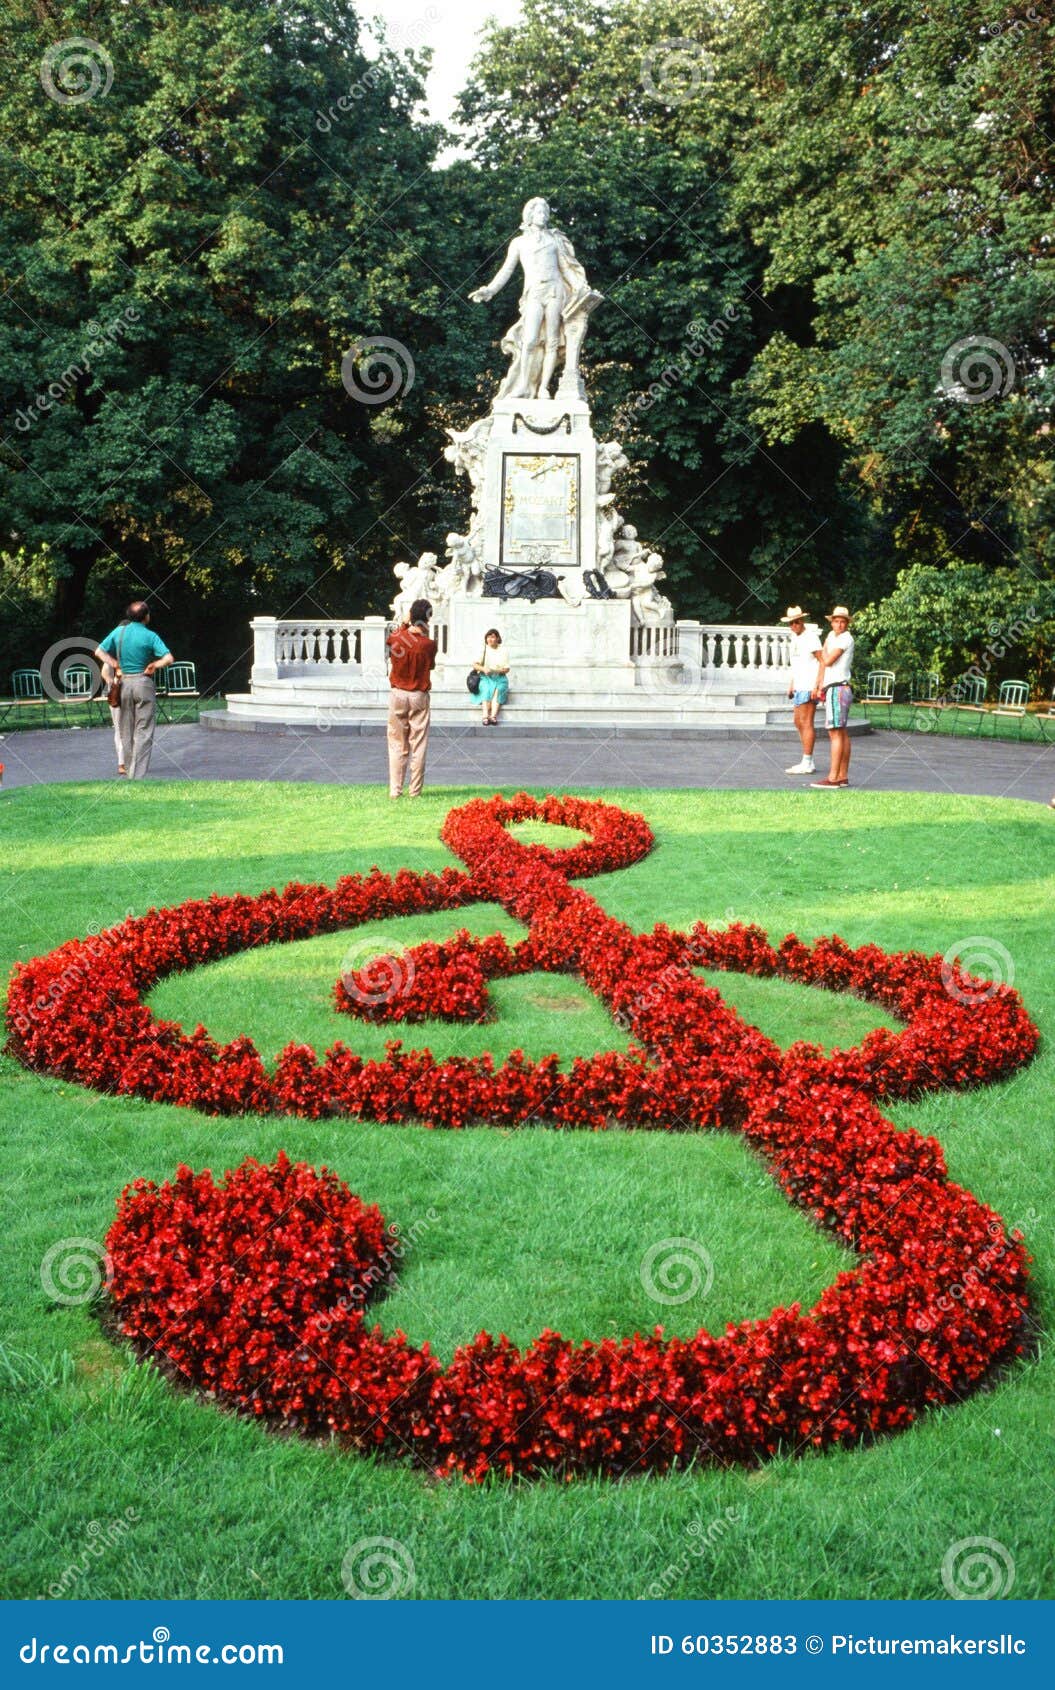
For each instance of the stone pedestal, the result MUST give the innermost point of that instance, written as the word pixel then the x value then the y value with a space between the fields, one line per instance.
pixel 539 495
pixel 551 646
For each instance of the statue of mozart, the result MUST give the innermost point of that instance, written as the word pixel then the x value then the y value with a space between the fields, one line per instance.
pixel 554 308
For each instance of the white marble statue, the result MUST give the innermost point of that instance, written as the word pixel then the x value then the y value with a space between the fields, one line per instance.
pixel 609 524
pixel 554 307
pixel 610 460
pixel 467 451
pixel 416 581
pixel 465 571
pixel 626 549
pixel 647 603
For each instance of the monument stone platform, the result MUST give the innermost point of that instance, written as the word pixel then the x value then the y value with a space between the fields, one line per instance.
pixel 547 559
pixel 332 673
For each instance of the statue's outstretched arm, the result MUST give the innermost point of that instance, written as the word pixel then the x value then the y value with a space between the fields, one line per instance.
pixel 480 296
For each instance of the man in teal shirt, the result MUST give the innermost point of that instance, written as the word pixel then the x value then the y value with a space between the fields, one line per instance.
pixel 136 653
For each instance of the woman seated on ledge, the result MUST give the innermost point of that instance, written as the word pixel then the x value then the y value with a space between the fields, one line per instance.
pixel 494 671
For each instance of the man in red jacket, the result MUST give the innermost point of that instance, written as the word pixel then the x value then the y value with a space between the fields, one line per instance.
pixel 412 658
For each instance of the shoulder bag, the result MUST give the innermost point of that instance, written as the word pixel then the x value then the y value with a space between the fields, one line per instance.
pixel 113 696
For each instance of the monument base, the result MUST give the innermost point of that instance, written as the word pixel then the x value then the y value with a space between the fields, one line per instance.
pixel 584 668
pixel 548 645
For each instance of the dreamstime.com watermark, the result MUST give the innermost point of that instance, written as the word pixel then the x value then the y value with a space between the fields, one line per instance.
pixel 974 969
pixel 75 1271
pixel 99 1540
pixel 400 35
pixel 675 677
pixel 158 1651
pixel 1002 638
pixel 369 679
pixel 674 71
pixel 76 70
pixel 377 369
pixel 1001 1242
pixel 695 956
pixel 978 1569
pixel 675 1270
pixel 378 1569
pixel 99 338
pixel 93 951
pixel 376 971
pixel 977 368
pixel 700 337
pixel 381 1273
pixel 703 1536
pixel 975 77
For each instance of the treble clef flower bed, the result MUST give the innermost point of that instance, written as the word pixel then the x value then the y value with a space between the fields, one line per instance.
pixel 254 1289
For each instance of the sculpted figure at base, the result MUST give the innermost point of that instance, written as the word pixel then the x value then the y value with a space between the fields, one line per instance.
pixel 610 460
pixel 647 603
pixel 554 308
pixel 609 524
pixel 416 581
pixel 467 451
pixel 465 572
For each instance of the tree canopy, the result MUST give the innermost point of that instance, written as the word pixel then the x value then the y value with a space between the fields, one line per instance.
pixel 823 235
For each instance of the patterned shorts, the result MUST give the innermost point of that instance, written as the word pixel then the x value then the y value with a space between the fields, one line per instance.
pixel 837 701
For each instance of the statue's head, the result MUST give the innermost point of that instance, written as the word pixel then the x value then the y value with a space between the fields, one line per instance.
pixel 428 560
pixel 535 214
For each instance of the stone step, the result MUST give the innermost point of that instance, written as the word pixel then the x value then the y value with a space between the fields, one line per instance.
pixel 543 702
pixel 245 714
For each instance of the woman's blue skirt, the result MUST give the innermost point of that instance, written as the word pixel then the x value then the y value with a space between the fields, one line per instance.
pixel 494 686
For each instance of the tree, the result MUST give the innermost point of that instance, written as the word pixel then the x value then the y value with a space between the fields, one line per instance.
pixel 212 203
pixel 995 624
pixel 901 169
pixel 628 116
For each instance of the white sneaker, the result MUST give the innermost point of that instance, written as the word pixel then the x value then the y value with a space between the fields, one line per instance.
pixel 805 767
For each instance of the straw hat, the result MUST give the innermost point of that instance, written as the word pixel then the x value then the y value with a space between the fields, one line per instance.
pixel 840 610
pixel 795 614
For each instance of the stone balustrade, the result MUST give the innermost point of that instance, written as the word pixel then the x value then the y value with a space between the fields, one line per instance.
pixel 294 649
pixel 745 648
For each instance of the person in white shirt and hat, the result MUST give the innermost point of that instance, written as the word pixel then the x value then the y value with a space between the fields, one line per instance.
pixel 805 655
pixel 834 686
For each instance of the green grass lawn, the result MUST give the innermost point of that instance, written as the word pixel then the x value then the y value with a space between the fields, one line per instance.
pixel 515 1231
pixel 96 714
pixel 962 724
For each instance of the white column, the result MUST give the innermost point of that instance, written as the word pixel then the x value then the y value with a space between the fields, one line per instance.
pixel 372 649
pixel 265 661
pixel 690 642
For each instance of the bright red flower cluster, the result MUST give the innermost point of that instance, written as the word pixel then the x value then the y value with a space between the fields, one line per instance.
pixel 446 982
pixel 254 1289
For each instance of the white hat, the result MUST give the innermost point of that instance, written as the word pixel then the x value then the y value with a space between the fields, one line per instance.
pixel 795 614
pixel 840 610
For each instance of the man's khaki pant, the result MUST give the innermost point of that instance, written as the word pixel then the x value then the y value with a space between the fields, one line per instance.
pixel 408 739
pixel 138 714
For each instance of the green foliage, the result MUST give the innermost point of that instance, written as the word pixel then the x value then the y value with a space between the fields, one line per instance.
pixel 25 612
pixel 186 256
pixel 899 166
pixel 634 145
pixel 962 620
pixel 822 232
